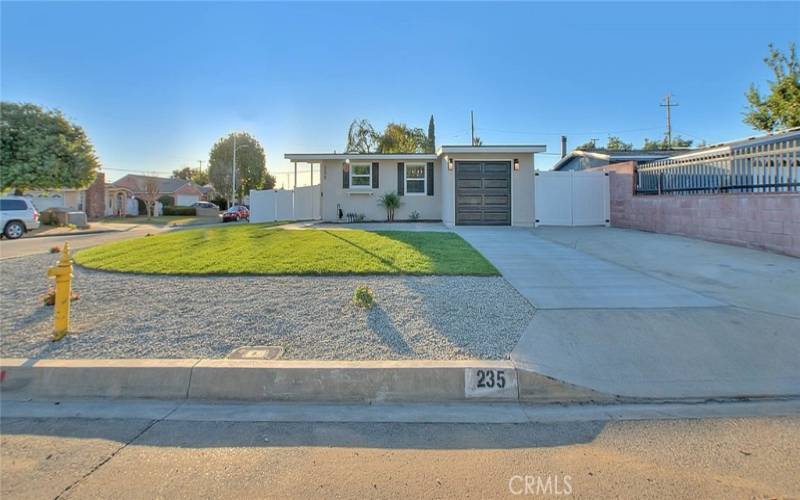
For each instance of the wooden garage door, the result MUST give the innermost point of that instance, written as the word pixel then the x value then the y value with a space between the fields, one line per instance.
pixel 483 193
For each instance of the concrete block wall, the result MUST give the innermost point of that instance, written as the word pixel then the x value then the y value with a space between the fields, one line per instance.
pixel 766 221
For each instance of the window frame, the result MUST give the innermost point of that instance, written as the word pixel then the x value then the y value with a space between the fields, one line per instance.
pixel 424 179
pixel 368 175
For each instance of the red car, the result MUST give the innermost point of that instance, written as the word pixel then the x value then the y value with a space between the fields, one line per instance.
pixel 236 213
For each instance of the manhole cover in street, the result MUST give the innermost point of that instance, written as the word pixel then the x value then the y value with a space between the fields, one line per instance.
pixel 257 352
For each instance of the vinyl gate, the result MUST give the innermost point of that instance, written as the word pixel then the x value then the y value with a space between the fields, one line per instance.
pixel 271 205
pixel 571 198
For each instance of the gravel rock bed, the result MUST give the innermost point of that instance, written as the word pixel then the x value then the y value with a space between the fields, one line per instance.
pixel 136 316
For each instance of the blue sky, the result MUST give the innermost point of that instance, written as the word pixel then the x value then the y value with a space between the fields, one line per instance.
pixel 155 84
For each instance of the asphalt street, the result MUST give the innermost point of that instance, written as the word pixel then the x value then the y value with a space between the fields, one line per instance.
pixel 202 457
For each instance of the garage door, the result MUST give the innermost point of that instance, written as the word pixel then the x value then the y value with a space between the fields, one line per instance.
pixel 483 193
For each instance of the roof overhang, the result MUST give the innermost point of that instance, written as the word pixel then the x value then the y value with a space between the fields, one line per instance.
pixel 500 149
pixel 318 157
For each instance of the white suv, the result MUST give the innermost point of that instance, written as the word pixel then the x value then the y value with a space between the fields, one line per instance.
pixel 17 216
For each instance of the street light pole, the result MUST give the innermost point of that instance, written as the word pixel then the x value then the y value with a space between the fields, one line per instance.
pixel 233 177
pixel 233 184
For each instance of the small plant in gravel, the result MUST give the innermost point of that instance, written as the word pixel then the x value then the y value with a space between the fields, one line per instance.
pixel 49 299
pixel 363 297
pixel 55 249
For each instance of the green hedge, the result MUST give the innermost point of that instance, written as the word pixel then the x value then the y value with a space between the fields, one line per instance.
pixel 179 211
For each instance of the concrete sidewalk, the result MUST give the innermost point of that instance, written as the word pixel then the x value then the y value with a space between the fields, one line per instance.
pixel 94 228
pixel 652 316
pixel 369 226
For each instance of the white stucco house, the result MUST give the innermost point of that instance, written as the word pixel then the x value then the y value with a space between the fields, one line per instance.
pixel 458 185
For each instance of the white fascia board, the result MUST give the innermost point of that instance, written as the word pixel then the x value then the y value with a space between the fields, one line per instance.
pixel 314 157
pixel 525 149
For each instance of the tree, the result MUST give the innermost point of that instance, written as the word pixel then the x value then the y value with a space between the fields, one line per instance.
pixel 196 175
pixel 587 146
pixel 43 150
pixel 476 141
pixel 616 144
pixel 251 170
pixel 184 173
pixel 398 138
pixel 150 196
pixel 781 107
pixel 269 182
pixel 661 145
pixel 361 137
pixel 199 177
pixel 431 136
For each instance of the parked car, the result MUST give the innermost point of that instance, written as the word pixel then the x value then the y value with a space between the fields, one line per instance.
pixel 17 216
pixel 236 213
pixel 204 204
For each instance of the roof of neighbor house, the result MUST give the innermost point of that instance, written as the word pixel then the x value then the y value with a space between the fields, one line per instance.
pixel 137 183
pixel 614 156
pixel 498 149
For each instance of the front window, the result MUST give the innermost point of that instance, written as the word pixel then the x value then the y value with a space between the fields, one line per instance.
pixel 361 175
pixel 415 178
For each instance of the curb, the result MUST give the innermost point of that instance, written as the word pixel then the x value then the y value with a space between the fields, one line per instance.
pixel 78 233
pixel 309 381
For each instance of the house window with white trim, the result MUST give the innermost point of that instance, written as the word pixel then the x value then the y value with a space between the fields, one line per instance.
pixel 416 178
pixel 361 175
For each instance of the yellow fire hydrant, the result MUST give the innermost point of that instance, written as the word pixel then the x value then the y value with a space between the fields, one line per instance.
pixel 62 272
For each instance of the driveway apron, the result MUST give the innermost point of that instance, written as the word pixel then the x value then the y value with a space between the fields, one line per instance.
pixel 554 276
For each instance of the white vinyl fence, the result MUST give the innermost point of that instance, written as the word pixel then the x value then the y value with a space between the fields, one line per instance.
pixel 571 198
pixel 272 205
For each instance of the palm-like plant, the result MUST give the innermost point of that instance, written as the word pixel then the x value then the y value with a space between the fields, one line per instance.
pixel 391 202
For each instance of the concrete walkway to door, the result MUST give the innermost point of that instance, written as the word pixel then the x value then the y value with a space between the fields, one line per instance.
pixel 652 316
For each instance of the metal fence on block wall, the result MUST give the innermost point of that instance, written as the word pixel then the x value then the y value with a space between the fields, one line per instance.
pixel 767 164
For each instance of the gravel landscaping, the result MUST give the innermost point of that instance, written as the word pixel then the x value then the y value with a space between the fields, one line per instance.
pixel 136 316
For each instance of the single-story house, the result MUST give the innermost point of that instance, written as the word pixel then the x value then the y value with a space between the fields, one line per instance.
pixel 100 199
pixel 469 185
pixel 182 192
pixel 104 199
pixel 208 192
pixel 582 160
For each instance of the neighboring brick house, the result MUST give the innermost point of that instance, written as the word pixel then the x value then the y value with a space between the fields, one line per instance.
pixel 95 196
pixel 182 192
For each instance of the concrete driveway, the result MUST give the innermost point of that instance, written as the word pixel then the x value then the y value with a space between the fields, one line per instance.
pixel 652 316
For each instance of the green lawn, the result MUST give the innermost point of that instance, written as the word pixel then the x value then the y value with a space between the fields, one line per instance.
pixel 163 220
pixel 261 249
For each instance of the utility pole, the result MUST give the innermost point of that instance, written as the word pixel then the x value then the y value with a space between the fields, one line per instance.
pixel 472 126
pixel 201 164
pixel 669 105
